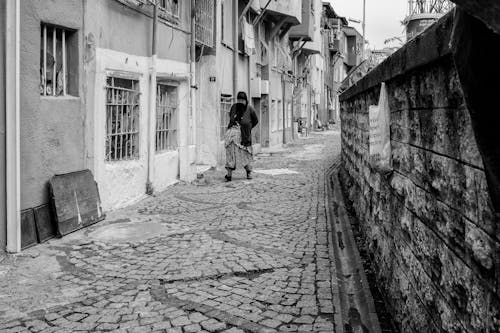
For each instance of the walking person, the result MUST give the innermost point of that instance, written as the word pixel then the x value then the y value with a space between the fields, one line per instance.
pixel 238 137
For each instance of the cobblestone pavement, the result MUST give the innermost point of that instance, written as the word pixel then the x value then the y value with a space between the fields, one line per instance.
pixel 245 256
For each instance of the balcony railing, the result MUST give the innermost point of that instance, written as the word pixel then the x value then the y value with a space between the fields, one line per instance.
pixel 205 22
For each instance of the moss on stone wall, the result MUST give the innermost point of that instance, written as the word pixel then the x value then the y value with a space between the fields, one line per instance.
pixel 429 224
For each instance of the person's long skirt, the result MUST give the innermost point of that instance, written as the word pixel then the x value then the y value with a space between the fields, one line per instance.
pixel 237 156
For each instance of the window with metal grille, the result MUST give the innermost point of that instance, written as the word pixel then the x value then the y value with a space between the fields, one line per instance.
pixel 170 7
pixel 57 56
pixel 225 107
pixel 205 22
pixel 122 119
pixel 166 117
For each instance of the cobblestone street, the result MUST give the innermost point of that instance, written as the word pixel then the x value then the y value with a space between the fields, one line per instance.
pixel 244 256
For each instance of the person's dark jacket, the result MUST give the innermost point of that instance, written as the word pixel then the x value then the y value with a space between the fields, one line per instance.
pixel 247 118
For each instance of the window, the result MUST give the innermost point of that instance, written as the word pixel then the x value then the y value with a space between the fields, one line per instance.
pixel 57 58
pixel 227 22
pixel 122 119
pixel 225 106
pixel 205 22
pixel 166 117
pixel 170 7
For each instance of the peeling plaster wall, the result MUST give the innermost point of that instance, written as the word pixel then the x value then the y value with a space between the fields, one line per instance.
pixel 3 198
pixel 121 28
pixel 52 138
pixel 429 223
pixel 123 182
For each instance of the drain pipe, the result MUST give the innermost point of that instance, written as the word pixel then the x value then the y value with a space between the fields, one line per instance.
pixel 235 48
pixel 283 105
pixel 192 70
pixel 12 100
pixel 152 101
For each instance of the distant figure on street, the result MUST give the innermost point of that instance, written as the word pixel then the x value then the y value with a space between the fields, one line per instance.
pixel 238 137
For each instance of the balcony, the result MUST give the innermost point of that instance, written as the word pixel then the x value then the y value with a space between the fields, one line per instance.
pixel 304 31
pixel 292 10
pixel 316 44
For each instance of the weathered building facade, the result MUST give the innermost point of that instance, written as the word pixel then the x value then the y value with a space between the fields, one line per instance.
pixel 90 95
pixel 250 53
pixel 97 92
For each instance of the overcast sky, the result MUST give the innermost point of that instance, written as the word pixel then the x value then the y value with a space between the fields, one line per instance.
pixel 383 17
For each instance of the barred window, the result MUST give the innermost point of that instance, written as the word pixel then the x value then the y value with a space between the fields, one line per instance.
pixel 122 119
pixel 56 55
pixel 225 107
pixel 166 117
pixel 205 22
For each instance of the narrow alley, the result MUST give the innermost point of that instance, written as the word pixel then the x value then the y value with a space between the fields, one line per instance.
pixel 245 256
pixel 249 166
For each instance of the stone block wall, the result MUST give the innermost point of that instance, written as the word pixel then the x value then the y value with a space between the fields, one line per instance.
pixel 429 223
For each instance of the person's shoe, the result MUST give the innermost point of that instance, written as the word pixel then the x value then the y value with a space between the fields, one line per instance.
pixel 228 178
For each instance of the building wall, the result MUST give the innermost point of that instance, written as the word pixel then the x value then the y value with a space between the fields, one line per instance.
pixel 52 137
pixel 115 25
pixel 3 194
pixel 208 110
pixel 428 223
pixel 110 26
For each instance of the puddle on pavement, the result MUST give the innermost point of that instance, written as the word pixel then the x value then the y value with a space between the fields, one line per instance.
pixel 276 172
pixel 128 232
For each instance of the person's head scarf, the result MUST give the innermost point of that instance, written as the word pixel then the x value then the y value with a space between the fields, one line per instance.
pixel 241 107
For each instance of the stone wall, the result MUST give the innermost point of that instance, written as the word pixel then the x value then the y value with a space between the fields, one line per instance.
pixel 429 222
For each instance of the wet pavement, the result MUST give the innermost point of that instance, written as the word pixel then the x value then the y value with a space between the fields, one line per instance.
pixel 245 256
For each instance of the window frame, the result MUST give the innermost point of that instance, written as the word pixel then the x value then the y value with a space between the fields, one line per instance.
pixel 133 126
pixel 166 128
pixel 163 9
pixel 68 53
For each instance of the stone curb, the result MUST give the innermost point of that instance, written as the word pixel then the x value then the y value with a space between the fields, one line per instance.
pixel 341 234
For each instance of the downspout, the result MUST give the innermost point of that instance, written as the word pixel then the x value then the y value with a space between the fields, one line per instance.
pixel 192 74
pixel 13 148
pixel 152 102
pixel 283 105
pixel 235 48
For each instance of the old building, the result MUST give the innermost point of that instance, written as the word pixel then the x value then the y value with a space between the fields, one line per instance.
pixel 92 96
pixel 142 105
pixel 101 86
pixel 305 39
pixel 327 48
pixel 250 52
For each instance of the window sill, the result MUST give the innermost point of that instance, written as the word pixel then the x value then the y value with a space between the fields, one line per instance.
pixel 60 98
pixel 166 152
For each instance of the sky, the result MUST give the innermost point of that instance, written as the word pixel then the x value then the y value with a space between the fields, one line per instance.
pixel 383 18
